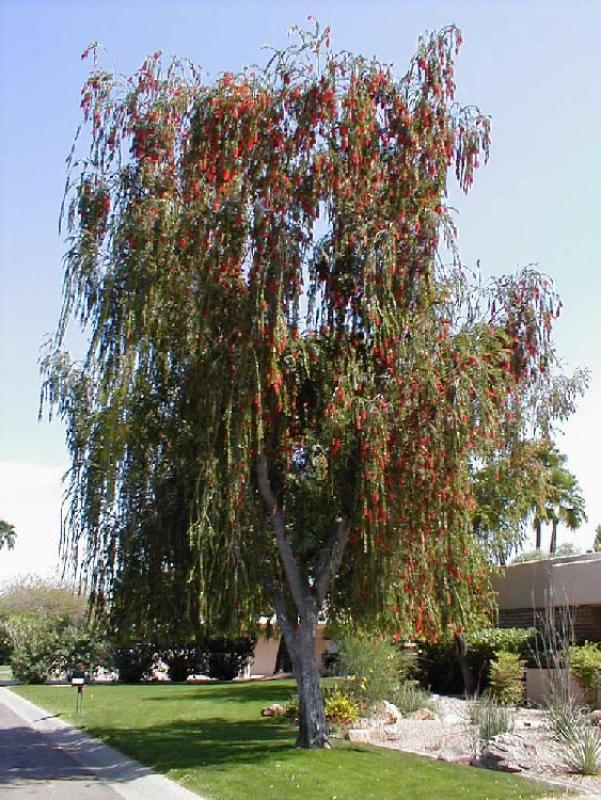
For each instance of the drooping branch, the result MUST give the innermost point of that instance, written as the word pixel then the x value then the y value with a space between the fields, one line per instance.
pixel 330 558
pixel 291 568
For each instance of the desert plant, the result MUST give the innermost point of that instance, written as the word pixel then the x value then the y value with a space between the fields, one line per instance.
pixel 488 719
pixel 585 664
pixel 581 745
pixel 507 679
pixel 373 668
pixel 409 696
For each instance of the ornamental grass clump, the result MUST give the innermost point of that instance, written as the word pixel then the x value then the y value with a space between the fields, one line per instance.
pixel 373 668
pixel 580 744
pixel 409 696
pixel 488 719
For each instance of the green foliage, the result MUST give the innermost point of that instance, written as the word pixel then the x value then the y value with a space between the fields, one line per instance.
pixel 488 719
pixel 7 535
pixel 398 373
pixel 36 648
pixel 373 668
pixel 580 741
pixel 409 696
pixel 585 664
pixel 46 628
pixel 43 597
pixel 597 540
pixel 134 661
pixel 437 661
pixel 507 678
pixel 183 659
pixel 227 658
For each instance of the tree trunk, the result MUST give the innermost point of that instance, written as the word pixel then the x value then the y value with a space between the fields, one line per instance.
pixel 469 681
pixel 553 545
pixel 297 611
pixel 313 730
pixel 538 527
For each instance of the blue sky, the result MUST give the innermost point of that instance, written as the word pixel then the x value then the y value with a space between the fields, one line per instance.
pixel 532 66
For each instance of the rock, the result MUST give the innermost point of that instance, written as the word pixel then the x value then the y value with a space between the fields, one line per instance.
pixel 387 713
pixel 357 735
pixel 452 719
pixel 454 753
pixel 595 717
pixel 508 752
pixel 424 713
pixel 274 710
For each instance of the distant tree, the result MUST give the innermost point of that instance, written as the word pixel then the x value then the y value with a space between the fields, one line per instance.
pixel 528 555
pixel 567 549
pixel 7 535
pixel 597 541
pixel 37 597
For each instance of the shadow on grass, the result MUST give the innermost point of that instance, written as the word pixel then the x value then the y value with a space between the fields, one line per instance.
pixel 262 694
pixel 208 743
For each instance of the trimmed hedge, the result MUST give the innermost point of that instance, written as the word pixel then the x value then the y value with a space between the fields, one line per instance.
pixel 438 667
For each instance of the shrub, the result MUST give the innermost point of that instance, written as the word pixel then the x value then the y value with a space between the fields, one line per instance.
pixel 340 708
pixel 437 661
pixel 489 719
pixel 409 697
pixel 227 658
pixel 183 659
pixel 373 668
pixel 585 664
pixel 134 661
pixel 36 648
pixel 507 679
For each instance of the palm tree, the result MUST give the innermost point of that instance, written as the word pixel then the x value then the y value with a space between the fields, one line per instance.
pixel 558 498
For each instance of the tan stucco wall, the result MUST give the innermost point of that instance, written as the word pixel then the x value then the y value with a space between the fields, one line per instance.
pixel 573 581
pixel 266 651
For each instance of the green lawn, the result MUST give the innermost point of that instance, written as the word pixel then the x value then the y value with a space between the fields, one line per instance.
pixel 6 673
pixel 213 740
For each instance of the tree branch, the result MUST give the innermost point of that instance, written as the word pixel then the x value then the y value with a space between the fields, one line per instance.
pixel 329 559
pixel 291 568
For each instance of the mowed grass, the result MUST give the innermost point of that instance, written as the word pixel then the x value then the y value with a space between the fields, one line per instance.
pixel 213 740
pixel 6 673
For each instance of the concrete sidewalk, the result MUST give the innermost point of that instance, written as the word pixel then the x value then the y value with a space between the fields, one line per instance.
pixel 43 757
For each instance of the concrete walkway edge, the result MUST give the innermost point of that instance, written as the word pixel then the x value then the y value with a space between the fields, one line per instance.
pixel 128 778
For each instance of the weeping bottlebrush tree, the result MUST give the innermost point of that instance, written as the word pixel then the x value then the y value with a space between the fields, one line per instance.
pixel 285 385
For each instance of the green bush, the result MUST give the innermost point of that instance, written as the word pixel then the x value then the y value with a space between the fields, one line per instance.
pixel 373 668
pixel 183 659
pixel 340 708
pixel 507 679
pixel 585 664
pixel 134 661
pixel 36 648
pixel 438 667
pixel 227 658
pixel 409 697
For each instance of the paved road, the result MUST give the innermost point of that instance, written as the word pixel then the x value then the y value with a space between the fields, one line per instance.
pixel 43 757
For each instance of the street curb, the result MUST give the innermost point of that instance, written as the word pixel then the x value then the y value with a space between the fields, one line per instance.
pixel 128 778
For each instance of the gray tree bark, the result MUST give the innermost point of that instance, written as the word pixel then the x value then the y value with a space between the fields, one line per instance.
pixel 298 620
